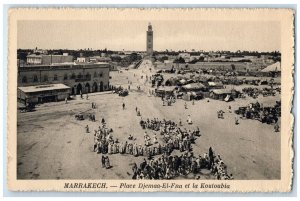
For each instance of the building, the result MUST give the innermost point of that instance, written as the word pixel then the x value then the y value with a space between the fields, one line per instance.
pixel 83 59
pixel 43 93
pixel 96 59
pixel 34 59
pixel 186 56
pixel 221 94
pixel 81 78
pixel 149 42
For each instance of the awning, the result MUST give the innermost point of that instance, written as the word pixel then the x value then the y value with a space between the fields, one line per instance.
pixel 272 68
pixel 40 88
pixel 194 86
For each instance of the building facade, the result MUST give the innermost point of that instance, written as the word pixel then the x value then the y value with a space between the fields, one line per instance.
pixel 34 59
pixel 149 42
pixel 81 78
pixel 83 59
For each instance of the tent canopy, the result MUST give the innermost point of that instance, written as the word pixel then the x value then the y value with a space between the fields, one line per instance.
pixel 223 91
pixel 194 86
pixel 276 67
pixel 166 89
pixel 214 84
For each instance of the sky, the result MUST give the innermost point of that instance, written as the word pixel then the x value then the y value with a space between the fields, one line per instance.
pixel 131 35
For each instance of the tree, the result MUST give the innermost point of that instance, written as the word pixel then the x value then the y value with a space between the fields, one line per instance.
pixel 134 57
pixel 22 56
pixel 162 59
pixel 179 60
pixel 116 58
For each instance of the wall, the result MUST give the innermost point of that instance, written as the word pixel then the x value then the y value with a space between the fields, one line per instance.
pixel 46 59
pixel 34 60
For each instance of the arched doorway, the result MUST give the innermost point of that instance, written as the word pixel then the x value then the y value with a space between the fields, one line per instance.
pixel 87 88
pixel 101 86
pixel 73 91
pixel 95 87
pixel 79 89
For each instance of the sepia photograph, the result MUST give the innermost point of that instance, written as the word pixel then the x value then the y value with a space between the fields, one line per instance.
pixel 158 97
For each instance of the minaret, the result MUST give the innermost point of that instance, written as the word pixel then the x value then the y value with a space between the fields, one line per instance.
pixel 149 42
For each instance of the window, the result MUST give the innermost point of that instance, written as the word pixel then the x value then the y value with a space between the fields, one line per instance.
pixel 73 76
pixel 66 76
pixel 35 78
pixel 24 79
pixel 55 77
pixel 87 76
pixel 79 76
pixel 45 78
pixel 95 74
pixel 100 74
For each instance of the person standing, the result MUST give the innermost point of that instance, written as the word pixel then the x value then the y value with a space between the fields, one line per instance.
pixel 103 161
pixel 189 119
pixel 236 120
pixel 211 157
pixel 276 127
pixel 123 106
pixel 185 105
pixel 107 162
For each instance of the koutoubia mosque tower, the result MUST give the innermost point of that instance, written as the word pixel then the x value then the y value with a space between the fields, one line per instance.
pixel 149 42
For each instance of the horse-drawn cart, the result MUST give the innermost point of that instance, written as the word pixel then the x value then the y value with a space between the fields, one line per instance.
pixel 85 115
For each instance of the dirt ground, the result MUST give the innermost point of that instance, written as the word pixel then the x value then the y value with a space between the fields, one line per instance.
pixel 51 144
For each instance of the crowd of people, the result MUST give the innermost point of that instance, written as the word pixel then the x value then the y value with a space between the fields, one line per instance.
pixel 171 166
pixel 175 137
pixel 105 143
pixel 255 92
pixel 168 100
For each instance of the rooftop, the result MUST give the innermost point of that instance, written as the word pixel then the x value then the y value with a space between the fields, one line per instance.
pixel 223 91
pixel 194 86
pixel 47 55
pixel 68 65
pixel 40 88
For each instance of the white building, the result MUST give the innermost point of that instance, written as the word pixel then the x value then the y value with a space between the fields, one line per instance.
pixel 185 56
pixel 34 59
pixel 82 59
